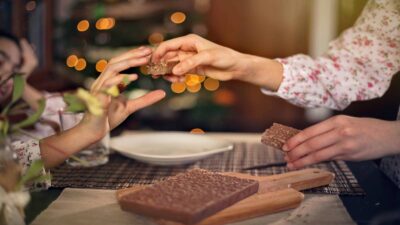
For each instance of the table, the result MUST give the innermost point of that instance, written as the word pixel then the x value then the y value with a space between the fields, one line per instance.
pixel 381 197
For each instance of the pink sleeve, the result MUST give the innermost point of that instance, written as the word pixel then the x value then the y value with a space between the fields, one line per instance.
pixel 358 65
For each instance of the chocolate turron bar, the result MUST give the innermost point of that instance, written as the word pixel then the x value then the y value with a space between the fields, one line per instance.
pixel 188 197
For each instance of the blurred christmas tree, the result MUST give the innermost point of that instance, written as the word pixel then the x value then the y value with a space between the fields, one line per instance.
pixel 91 32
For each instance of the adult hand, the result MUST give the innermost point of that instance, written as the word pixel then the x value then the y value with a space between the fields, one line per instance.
pixel 116 110
pixel 200 56
pixel 343 138
pixel 29 59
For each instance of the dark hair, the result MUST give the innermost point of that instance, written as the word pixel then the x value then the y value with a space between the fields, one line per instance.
pixel 11 37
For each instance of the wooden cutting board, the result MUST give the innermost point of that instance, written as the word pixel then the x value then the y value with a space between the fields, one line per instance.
pixel 276 193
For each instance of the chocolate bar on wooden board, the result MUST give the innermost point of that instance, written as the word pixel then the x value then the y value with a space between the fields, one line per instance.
pixel 189 197
pixel 161 68
pixel 277 135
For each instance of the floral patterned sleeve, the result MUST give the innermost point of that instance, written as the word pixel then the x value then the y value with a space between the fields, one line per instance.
pixel 359 65
pixel 28 152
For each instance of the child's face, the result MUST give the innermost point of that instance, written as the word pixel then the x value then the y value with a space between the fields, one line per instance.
pixel 10 61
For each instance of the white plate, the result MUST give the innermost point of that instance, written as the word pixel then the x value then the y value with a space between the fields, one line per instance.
pixel 169 148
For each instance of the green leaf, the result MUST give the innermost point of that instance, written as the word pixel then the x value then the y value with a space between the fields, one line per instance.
pixel 34 171
pixel 4 126
pixel 32 118
pixel 74 104
pixel 18 90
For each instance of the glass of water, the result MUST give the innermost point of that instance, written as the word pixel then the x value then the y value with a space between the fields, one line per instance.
pixel 95 154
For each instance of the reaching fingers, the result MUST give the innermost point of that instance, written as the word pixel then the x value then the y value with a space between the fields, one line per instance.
pixel 115 68
pixel 145 100
pixel 313 144
pixel 116 80
pixel 186 43
pixel 308 133
pixel 134 53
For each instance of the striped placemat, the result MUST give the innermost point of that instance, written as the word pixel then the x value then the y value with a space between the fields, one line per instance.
pixel 122 172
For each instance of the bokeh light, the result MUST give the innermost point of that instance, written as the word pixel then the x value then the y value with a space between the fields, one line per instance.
pixel 156 38
pixel 30 6
pixel 83 25
pixel 101 65
pixel 105 23
pixel 211 84
pixel 224 97
pixel 178 87
pixel 202 78
pixel 81 64
pixel 178 17
pixel 194 88
pixel 197 131
pixel 192 80
pixel 72 60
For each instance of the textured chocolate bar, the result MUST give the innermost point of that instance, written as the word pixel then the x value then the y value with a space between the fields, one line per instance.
pixel 277 135
pixel 161 68
pixel 188 197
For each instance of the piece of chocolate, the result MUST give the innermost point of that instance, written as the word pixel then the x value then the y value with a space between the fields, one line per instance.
pixel 277 135
pixel 161 68
pixel 188 197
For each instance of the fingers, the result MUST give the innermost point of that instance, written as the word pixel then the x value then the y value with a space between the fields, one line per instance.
pixel 316 157
pixel 134 53
pixel 144 101
pixel 115 68
pixel 313 144
pixel 119 79
pixel 308 133
pixel 186 43
pixel 190 63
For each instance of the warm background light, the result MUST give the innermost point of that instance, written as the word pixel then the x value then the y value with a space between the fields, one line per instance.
pixel 83 25
pixel 192 79
pixel 224 97
pixel 178 17
pixel 211 84
pixel 72 60
pixel 81 64
pixel 194 88
pixel 105 23
pixel 178 87
pixel 156 38
pixel 30 6
pixel 101 65
pixel 197 131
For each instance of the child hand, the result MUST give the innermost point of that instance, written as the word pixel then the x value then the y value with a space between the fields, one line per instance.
pixel 29 59
pixel 116 110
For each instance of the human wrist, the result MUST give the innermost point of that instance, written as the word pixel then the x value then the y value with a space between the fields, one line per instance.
pixel 91 129
pixel 262 72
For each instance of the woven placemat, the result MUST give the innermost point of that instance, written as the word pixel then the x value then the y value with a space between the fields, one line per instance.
pixel 122 172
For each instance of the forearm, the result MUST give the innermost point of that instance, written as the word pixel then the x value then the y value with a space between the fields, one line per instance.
pixel 31 96
pixel 57 148
pixel 262 72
